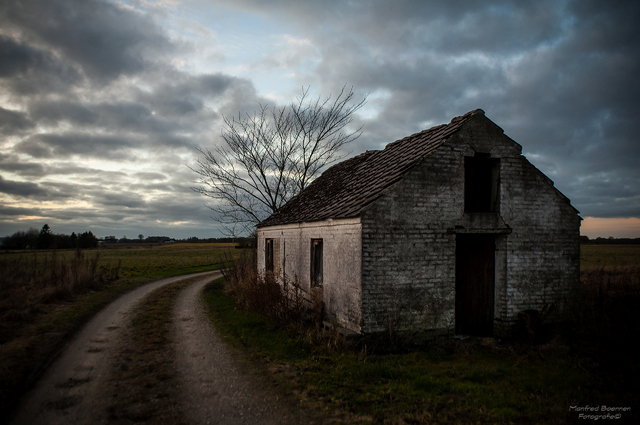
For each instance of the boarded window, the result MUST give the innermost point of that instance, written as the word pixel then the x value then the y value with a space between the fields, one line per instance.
pixel 481 183
pixel 268 254
pixel 316 262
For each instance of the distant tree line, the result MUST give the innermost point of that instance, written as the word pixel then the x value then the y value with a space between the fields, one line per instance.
pixel 610 241
pixel 46 239
pixel 141 239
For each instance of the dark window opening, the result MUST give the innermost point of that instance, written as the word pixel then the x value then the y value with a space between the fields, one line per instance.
pixel 268 254
pixel 316 262
pixel 481 183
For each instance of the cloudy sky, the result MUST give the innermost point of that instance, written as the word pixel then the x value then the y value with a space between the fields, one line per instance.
pixel 103 103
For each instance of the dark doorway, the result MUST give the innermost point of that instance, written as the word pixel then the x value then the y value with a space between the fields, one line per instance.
pixel 475 283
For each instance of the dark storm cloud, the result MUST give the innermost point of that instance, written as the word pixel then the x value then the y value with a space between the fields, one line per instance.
pixel 25 69
pixel 13 122
pixel 62 145
pixel 94 80
pixel 105 40
pixel 18 188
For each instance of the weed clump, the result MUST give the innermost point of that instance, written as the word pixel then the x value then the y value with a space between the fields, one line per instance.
pixel 281 299
pixel 28 281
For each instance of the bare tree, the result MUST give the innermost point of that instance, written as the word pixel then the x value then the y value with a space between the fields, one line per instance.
pixel 273 155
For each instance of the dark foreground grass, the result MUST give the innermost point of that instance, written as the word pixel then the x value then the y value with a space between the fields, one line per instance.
pixel 455 382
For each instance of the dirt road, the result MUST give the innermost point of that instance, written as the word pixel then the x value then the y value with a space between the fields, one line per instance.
pixel 209 387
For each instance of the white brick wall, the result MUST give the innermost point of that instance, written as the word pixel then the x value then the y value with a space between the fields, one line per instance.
pixel 342 253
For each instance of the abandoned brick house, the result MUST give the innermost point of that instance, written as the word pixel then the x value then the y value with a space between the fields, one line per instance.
pixel 450 230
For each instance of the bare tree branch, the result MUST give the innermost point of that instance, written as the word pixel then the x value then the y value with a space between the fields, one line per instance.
pixel 273 155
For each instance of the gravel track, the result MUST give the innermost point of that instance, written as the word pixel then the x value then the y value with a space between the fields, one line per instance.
pixel 211 387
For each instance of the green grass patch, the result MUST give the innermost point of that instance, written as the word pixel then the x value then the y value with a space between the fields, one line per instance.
pixel 462 382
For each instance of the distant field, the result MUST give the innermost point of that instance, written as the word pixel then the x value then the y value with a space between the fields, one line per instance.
pixel 609 255
pixel 160 260
pixel 140 261
pixel 212 245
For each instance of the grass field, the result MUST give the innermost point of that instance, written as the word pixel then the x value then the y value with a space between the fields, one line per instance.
pixel 609 255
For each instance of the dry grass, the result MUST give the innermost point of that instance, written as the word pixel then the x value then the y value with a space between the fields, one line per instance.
pixel 607 320
pixel 201 245
pixel 283 302
pixel 27 282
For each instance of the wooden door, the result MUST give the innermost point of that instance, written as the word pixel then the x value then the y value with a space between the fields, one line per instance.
pixel 475 284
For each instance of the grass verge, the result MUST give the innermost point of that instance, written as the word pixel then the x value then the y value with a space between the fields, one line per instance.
pixel 455 382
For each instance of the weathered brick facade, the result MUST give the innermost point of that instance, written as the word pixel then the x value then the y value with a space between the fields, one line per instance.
pixel 410 255
pixel 342 252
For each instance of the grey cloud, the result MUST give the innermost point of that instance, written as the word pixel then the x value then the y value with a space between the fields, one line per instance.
pixel 22 189
pixel 18 211
pixel 119 116
pixel 61 145
pixel 145 176
pixel 187 94
pixel 28 169
pixel 12 122
pixel 103 38
pixel 52 112
pixel 121 199
pixel 26 70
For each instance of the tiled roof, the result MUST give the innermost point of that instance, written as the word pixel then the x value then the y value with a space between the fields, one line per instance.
pixel 344 189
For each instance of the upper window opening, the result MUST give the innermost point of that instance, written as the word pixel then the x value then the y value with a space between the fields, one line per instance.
pixel 481 183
